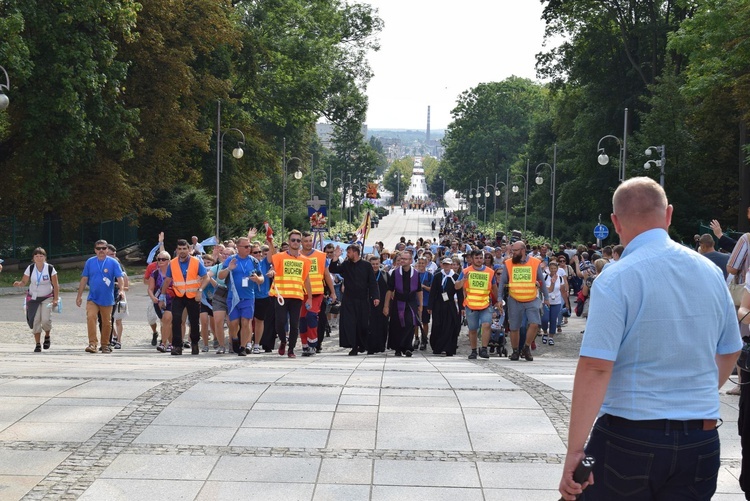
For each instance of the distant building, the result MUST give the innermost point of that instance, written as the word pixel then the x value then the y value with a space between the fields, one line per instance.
pixel 325 134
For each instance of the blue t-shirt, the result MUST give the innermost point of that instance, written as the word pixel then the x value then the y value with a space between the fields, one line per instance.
pixel 425 278
pixel 661 314
pixel 244 268
pixel 102 276
pixel 263 290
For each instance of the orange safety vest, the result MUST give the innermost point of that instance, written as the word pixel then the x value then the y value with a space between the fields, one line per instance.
pixel 185 286
pixel 290 274
pixel 522 279
pixel 317 271
pixel 478 287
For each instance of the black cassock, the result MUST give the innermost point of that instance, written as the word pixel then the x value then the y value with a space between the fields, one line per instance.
pixel 360 289
pixel 378 322
pixel 446 320
pixel 403 302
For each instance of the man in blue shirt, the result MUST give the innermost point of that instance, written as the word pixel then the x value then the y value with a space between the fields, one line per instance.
pixel 660 341
pixel 100 273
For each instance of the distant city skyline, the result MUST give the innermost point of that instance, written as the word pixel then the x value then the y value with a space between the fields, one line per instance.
pixel 431 52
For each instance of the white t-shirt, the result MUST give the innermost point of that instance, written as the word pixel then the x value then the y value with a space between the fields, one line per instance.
pixel 555 295
pixel 40 282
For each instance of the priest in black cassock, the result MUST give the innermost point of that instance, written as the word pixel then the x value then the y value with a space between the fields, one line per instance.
pixel 360 292
pixel 378 322
pixel 446 320
pixel 403 304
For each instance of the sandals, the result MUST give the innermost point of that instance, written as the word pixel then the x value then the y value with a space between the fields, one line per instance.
pixel 551 342
pixel 38 348
pixel 544 339
pixel 46 343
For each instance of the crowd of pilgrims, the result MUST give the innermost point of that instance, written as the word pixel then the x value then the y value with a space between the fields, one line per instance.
pixel 418 307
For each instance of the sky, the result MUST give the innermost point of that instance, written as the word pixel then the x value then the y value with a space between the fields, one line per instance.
pixel 433 50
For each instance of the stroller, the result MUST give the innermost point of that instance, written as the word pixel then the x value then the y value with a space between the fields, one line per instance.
pixel 497 337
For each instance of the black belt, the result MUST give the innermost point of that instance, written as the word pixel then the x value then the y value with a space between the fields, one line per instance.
pixel 662 424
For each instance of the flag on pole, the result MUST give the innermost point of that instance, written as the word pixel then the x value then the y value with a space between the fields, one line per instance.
pixel 152 254
pixel 209 242
pixel 364 230
pixel 269 231
pixel 234 297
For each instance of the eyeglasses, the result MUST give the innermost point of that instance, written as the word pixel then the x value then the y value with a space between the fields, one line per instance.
pixel 244 246
pixel 162 259
pixel 295 240
pixel 255 252
pixel 100 248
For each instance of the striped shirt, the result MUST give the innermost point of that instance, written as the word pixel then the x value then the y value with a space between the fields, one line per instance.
pixel 739 259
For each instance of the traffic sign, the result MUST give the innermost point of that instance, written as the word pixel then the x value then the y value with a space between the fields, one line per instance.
pixel 601 232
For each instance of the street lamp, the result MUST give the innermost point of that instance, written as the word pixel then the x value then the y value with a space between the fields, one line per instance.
pixel 297 175
pixel 338 190
pixel 659 163
pixel 485 194
pixel 4 101
pixel 516 189
pixel 398 175
pixel 603 158
pixel 496 193
pixel 236 153
pixel 323 182
pixel 540 181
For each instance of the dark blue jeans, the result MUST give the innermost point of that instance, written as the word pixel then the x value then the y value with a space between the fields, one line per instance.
pixel 660 465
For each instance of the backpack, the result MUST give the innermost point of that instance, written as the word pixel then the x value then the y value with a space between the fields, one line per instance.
pixel 580 301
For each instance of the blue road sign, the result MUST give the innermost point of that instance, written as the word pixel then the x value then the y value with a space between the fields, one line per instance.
pixel 601 232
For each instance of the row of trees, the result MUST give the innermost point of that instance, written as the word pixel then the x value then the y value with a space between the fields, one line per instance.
pixel 682 71
pixel 114 106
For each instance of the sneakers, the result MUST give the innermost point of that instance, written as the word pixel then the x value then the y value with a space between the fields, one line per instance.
pixel 291 354
pixel 117 345
pixel 483 353
pixel 186 344
pixel 526 353
pixel 306 351
pixel 205 348
pixel 38 348
pixel 398 354
pixel 221 350
pixel 544 339
pixel 415 344
pixel 91 348
pixel 282 348
pixel 176 350
pixel 551 342
pixel 473 355
pixel 46 342
pixel 515 355
pixel 353 353
pixel 241 352
pixel 169 347
pixel 407 353
pixel 154 338
pixel 256 350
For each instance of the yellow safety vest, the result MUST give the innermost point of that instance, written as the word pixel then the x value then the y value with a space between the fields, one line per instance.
pixel 522 279
pixel 477 287
pixel 290 274
pixel 317 271
pixel 181 285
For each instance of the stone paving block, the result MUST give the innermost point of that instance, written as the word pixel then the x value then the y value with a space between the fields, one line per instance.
pixel 115 489
pixel 535 476
pixel 427 432
pixel 495 399
pixel 293 406
pixel 354 421
pixel 38 387
pixel 14 487
pixel 167 467
pixel 50 432
pixel 507 421
pixel 273 437
pixel 366 409
pixel 109 389
pixel 341 492
pixel 288 419
pixel 351 439
pixel 463 381
pixel 521 494
pixel 232 491
pixel 29 462
pixel 517 442
pixel 71 414
pixel 185 435
pixel 301 395
pixel 400 493
pixel 266 469
pixel 345 471
pixel 206 417
pixel 86 402
pixel 409 401
pixel 426 473
pixel 347 390
pixel 359 400
pixel 414 380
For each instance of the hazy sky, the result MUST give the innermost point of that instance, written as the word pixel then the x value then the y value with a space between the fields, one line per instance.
pixel 432 50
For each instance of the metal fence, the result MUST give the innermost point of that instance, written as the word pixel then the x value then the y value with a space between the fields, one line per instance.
pixel 18 238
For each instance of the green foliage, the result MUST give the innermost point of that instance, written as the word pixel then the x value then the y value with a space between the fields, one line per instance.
pixel 180 212
pixel 398 178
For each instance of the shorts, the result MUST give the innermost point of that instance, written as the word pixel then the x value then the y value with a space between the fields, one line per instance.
pixel 516 310
pixel 244 309
pixel 153 313
pixel 476 318
pixel 120 310
pixel 220 303
pixel 317 302
pixel 426 317
pixel 207 309
pixel 262 305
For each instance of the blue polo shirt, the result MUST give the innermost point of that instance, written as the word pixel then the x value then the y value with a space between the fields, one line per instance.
pixel 263 290
pixel 661 314
pixel 245 267
pixel 99 272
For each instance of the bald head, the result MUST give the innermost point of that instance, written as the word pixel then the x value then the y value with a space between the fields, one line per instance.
pixel 639 197
pixel 706 242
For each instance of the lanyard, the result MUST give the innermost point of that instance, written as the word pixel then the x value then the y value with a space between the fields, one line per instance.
pixel 242 266
pixel 38 276
pixel 101 266
pixel 445 280
pixel 378 277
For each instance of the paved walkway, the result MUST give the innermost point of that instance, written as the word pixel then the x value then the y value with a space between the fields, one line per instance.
pixel 137 424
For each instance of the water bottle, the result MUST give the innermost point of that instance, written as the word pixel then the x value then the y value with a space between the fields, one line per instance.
pixel 59 305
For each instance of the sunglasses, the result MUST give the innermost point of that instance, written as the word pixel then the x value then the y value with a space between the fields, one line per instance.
pixel 162 259
pixel 244 246
pixel 255 252
pixel 100 248
pixel 295 240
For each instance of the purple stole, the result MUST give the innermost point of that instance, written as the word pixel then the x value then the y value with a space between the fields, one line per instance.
pixel 402 299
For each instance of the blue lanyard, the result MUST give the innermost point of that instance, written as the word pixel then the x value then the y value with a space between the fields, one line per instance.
pixel 101 266
pixel 38 276
pixel 378 277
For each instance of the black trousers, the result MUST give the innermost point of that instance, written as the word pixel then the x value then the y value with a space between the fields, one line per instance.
pixel 289 310
pixel 193 307
pixel 743 425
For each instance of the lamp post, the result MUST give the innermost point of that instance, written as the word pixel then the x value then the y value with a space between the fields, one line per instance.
pixel 338 190
pixel 485 194
pixel 540 180
pixel 661 150
pixel 398 175
pixel 603 158
pixel 4 100
pixel 496 193
pixel 526 196
pixel 297 175
pixel 236 153
pixel 323 182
